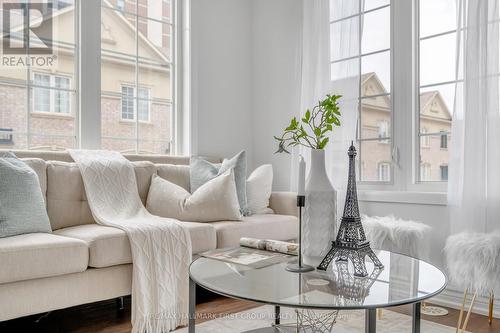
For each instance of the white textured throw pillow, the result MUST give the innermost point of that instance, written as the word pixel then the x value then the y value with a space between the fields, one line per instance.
pixel 259 188
pixel 216 200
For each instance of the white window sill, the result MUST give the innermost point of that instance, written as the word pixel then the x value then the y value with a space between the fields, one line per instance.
pixel 421 198
pixel 40 114
pixel 132 122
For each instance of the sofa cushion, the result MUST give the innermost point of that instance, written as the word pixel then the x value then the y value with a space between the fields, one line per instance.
pixel 67 204
pixel 177 174
pixel 40 168
pixel 265 226
pixel 110 246
pixel 215 200
pixel 22 206
pixel 38 255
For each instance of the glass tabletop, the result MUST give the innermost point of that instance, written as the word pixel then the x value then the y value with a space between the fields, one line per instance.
pixel 403 280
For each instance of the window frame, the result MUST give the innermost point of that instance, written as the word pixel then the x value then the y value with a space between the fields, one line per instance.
pixel 442 168
pixel 389 141
pixel 380 170
pixel 90 80
pixel 417 184
pixel 126 98
pixel 443 141
pixel 135 106
pixel 405 109
pixel 52 89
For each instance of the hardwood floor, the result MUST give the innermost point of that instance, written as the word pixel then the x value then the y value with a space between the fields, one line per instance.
pixel 103 317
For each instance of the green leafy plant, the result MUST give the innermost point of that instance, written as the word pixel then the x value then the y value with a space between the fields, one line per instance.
pixel 313 129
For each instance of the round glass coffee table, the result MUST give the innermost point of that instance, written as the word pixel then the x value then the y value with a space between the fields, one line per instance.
pixel 403 280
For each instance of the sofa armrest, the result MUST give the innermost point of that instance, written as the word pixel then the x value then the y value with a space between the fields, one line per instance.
pixel 284 203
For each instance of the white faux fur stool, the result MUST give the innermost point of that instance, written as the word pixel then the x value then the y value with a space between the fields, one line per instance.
pixel 396 235
pixel 473 262
pixel 392 234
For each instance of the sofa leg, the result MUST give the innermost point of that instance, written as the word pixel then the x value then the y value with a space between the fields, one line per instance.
pixel 42 317
pixel 490 308
pixel 120 306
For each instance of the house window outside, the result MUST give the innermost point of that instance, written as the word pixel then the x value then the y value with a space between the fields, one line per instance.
pixel 383 130
pixel 384 171
pixel 143 104
pixel 61 97
pixel 444 141
pixel 444 172
pixel 425 171
pixel 42 95
pixel 128 103
pixel 128 106
pixel 120 4
pixel 425 139
pixel 55 98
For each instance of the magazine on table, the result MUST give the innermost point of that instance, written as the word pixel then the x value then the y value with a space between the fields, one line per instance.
pixel 271 245
pixel 248 256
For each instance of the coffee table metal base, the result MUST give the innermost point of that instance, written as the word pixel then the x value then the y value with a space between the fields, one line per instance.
pixel 370 318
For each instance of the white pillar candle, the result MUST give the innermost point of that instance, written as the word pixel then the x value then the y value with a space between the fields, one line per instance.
pixel 302 177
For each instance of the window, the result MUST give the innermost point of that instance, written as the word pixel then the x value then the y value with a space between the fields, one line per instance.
pixel 55 100
pixel 138 57
pixel 370 59
pixel 383 129
pixel 120 4
pixel 425 139
pixel 42 95
pixel 6 136
pixel 38 105
pixel 143 104
pixel 137 48
pixel 128 105
pixel 425 171
pixel 444 172
pixel 384 171
pixel 444 141
pixel 406 61
pixel 438 79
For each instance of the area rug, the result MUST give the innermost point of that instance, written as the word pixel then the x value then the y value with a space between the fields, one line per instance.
pixel 347 322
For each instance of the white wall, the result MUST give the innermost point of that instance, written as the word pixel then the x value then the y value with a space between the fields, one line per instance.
pixel 245 85
pixel 221 77
pixel 276 82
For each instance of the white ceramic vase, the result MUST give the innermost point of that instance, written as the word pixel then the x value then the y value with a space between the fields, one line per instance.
pixel 319 217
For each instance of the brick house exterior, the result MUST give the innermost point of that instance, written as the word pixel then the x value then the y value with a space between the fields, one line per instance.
pixel 23 129
pixel 376 119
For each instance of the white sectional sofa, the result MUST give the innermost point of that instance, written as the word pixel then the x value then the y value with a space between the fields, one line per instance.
pixel 83 262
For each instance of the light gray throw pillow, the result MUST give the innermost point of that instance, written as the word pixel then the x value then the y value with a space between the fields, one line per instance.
pixel 201 171
pixel 22 209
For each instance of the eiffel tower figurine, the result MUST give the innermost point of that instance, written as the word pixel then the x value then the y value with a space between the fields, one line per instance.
pixel 351 243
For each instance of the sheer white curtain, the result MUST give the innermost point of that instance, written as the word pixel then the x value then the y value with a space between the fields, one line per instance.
pixel 474 182
pixel 316 79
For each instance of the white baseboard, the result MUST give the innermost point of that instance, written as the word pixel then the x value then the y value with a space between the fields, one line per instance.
pixel 453 299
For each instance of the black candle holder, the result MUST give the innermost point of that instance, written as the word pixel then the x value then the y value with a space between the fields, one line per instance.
pixel 300 267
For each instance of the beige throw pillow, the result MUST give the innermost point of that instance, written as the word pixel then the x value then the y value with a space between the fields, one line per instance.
pixel 259 189
pixel 215 200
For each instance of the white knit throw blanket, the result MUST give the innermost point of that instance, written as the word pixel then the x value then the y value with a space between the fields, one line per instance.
pixel 161 248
